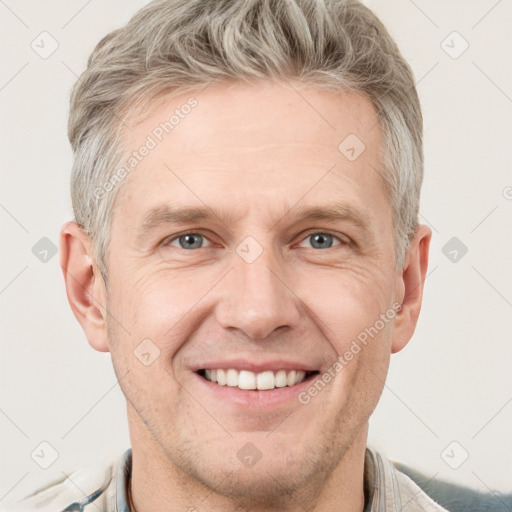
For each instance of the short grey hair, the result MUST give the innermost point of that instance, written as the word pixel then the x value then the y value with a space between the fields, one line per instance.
pixel 175 46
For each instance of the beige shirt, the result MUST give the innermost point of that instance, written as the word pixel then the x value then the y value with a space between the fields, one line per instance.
pixel 391 490
pixel 105 489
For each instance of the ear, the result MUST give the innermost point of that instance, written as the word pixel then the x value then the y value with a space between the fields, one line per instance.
pixel 410 288
pixel 85 287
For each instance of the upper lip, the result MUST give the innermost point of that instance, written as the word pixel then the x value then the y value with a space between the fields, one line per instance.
pixel 255 366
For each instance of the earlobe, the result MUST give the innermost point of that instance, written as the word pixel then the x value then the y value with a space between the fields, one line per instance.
pixel 84 285
pixel 410 288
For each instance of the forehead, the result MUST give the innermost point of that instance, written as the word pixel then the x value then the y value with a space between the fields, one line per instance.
pixel 255 146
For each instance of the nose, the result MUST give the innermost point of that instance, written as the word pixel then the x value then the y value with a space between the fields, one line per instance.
pixel 258 298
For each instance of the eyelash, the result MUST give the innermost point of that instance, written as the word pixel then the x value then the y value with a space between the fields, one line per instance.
pixel 348 242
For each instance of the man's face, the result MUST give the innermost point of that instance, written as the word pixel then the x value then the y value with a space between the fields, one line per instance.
pixel 255 286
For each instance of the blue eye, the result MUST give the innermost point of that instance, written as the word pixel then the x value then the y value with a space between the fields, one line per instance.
pixel 320 240
pixel 189 241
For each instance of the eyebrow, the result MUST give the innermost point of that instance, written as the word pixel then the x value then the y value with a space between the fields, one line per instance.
pixel 337 212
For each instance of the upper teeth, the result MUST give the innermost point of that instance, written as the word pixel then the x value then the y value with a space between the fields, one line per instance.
pixel 250 380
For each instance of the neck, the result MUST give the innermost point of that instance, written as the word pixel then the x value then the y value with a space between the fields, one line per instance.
pixel 158 485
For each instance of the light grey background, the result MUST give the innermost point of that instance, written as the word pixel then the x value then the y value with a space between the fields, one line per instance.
pixel 453 381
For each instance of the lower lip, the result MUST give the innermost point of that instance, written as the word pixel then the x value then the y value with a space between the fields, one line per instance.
pixel 255 398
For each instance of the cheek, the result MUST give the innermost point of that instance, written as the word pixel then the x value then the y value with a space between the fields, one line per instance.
pixel 346 302
pixel 153 305
pixel 349 308
pixel 359 373
pixel 158 312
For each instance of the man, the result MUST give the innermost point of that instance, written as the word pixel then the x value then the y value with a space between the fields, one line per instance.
pixel 246 246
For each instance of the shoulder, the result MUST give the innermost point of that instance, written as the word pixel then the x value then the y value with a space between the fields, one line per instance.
pixel 89 485
pixel 452 497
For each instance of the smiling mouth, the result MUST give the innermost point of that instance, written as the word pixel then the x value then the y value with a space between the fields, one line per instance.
pixel 263 381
